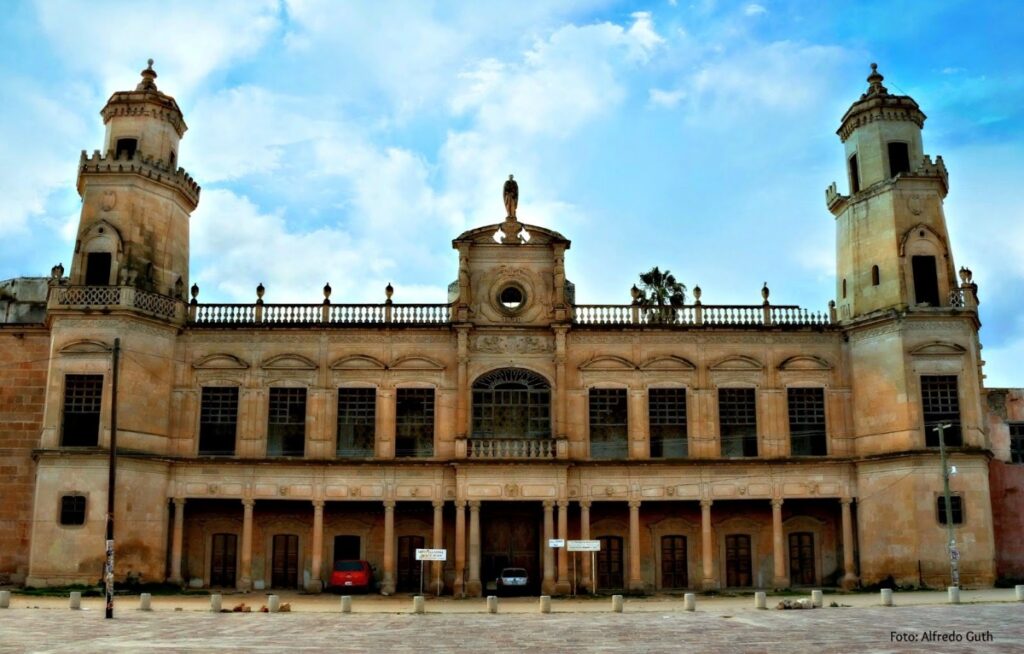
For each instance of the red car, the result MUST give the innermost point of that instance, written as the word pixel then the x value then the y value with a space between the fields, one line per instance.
pixel 351 575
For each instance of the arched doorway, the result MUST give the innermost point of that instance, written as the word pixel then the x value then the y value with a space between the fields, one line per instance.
pixel 511 403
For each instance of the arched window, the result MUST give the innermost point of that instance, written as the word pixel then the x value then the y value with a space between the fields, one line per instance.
pixel 844 289
pixel 511 403
pixel 874 276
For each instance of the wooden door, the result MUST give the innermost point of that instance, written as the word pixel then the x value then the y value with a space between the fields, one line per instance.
pixel 223 560
pixel 801 559
pixel 285 570
pixel 408 566
pixel 673 562
pixel 609 563
pixel 737 561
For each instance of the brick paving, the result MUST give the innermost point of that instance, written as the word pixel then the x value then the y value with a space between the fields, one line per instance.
pixel 465 626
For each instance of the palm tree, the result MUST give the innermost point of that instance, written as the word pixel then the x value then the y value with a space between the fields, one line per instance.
pixel 660 294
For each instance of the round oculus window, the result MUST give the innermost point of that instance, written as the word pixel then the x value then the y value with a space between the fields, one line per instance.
pixel 512 298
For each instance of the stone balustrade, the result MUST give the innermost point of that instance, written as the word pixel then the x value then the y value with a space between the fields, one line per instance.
pixel 511 448
pixel 701 315
pixel 107 298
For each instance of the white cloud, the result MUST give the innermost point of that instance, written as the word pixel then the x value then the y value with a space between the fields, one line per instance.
pixel 754 9
pixel 666 99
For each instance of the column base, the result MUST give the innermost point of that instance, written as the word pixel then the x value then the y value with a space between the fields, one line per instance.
pixel 709 584
pixel 586 586
pixel 315 586
pixel 636 586
pixel 850 582
pixel 547 587
pixel 387 587
pixel 474 589
pixel 780 583
pixel 563 587
pixel 177 581
pixel 244 585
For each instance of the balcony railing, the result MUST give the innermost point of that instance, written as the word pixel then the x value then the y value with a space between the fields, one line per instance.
pixel 333 315
pixel 106 298
pixel 511 448
pixel 697 315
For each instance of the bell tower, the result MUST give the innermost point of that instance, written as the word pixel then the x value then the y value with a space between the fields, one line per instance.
pixel 892 246
pixel 136 200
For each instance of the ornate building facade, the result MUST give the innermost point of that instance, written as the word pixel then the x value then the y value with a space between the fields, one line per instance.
pixel 704 446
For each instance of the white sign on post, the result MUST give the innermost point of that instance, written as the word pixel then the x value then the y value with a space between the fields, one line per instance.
pixel 556 542
pixel 584 546
pixel 431 555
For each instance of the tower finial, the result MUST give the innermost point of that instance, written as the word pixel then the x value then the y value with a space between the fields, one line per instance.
pixel 148 75
pixel 875 82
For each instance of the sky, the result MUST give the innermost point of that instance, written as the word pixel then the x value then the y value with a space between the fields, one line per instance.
pixel 350 142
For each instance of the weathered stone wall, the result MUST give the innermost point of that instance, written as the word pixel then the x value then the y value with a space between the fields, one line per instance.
pixel 1007 481
pixel 23 364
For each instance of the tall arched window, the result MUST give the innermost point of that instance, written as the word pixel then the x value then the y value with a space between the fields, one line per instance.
pixel 874 276
pixel 511 403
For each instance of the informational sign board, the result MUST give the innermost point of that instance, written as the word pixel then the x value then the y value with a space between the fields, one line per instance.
pixel 556 542
pixel 584 546
pixel 431 555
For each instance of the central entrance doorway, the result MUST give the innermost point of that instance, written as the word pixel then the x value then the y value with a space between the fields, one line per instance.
pixel 609 563
pixel 510 538
pixel 285 569
pixel 223 560
pixel 408 566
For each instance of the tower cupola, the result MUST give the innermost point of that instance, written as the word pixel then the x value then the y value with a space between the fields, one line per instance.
pixel 144 122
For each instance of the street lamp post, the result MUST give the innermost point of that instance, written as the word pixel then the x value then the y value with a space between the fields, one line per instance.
pixel 108 568
pixel 954 553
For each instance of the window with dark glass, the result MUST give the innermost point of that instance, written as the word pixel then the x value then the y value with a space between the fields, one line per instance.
pixel 926 280
pixel 1017 442
pixel 956 507
pixel 97 269
pixel 286 424
pixel 82 397
pixel 608 423
pixel 511 403
pixel 807 421
pixel 737 421
pixel 414 422
pixel 940 402
pixel 666 410
pixel 72 510
pixel 899 158
pixel 854 175
pixel 126 148
pixel 357 419
pixel 875 277
pixel 218 420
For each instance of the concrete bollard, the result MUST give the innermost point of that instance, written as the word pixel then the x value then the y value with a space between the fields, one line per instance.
pixel 817 599
pixel 760 600
pixel 545 604
pixel 887 597
pixel 346 603
pixel 215 602
pixel 1019 589
pixel 954 594
pixel 144 602
pixel 690 602
pixel 419 604
pixel 273 603
pixel 492 604
pixel 5 599
pixel 75 600
pixel 617 603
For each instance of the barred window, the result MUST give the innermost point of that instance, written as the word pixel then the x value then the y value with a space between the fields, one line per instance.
pixel 414 422
pixel 609 419
pixel 1017 442
pixel 666 411
pixel 940 401
pixel 82 400
pixel 956 506
pixel 357 419
pixel 218 420
pixel 286 422
pixel 72 510
pixel 737 421
pixel 807 421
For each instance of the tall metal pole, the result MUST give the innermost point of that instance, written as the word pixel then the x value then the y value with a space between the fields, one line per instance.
pixel 108 570
pixel 954 553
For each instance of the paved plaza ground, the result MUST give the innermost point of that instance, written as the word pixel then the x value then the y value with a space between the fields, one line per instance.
pixel 987 621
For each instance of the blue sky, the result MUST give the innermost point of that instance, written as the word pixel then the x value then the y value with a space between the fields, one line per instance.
pixel 350 142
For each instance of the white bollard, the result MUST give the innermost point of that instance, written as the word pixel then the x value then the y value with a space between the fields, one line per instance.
pixel 75 600
pixel 887 597
pixel 760 600
pixel 5 598
pixel 419 604
pixel 545 604
pixel 690 602
pixel 346 603
pixel 1019 589
pixel 617 603
pixel 144 602
pixel 954 594
pixel 492 604
pixel 215 602
pixel 273 603
pixel 817 599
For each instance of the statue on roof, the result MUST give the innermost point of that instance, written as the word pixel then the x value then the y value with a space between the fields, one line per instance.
pixel 511 194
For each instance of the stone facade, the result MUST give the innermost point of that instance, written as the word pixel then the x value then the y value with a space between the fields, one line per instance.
pixel 705 446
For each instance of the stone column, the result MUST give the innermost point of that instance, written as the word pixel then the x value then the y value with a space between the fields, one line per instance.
pixel 473 586
pixel 177 538
pixel 559 391
pixel 637 427
pixel 437 567
pixel 459 588
pixel 463 391
pixel 564 585
pixel 586 582
pixel 384 443
pixel 636 581
pixel 387 584
pixel 707 548
pixel 317 555
pixel 849 574
pixel 778 546
pixel 245 569
pixel 548 585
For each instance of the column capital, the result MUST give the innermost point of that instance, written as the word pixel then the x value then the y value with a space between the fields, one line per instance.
pixel 460 504
pixel 548 505
pixel 389 504
pixel 248 502
pixel 634 504
pixel 846 501
pixel 706 504
pixel 777 502
pixel 474 505
pixel 318 504
pixel 585 504
pixel 437 504
pixel 179 501
pixel 563 504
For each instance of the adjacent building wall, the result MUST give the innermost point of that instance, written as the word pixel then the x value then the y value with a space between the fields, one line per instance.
pixel 1007 479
